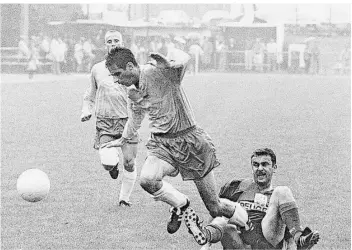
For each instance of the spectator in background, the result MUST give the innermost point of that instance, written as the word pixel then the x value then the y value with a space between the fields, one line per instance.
pixel 258 58
pixel 99 40
pixel 55 55
pixel 152 45
pixel 307 57
pixel 142 55
pixel 70 55
pixel 315 58
pixel 248 54
pixel 33 59
pixel 79 54
pixel 208 49
pixel 344 63
pixel 134 47
pixel 221 51
pixel 88 54
pixel 231 53
pixel 45 47
pixel 169 44
pixel 159 44
pixel 196 52
pixel 162 47
pixel 23 50
pixel 62 54
pixel 271 49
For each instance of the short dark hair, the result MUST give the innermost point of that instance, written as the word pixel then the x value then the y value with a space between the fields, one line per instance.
pixel 265 151
pixel 120 57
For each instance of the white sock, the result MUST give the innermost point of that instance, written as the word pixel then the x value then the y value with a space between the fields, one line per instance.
pixel 170 195
pixel 128 180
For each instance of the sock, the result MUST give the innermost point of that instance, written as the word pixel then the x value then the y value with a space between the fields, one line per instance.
pixel 289 215
pixel 214 233
pixel 128 180
pixel 170 195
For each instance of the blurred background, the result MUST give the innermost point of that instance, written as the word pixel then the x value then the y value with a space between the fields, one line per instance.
pixel 289 38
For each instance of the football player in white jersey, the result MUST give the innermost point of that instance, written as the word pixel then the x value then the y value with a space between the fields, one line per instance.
pixel 110 102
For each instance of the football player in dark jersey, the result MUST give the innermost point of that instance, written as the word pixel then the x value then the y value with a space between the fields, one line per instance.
pixel 265 217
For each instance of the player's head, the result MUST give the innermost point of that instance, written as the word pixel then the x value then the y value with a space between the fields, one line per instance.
pixel 123 66
pixel 113 39
pixel 263 163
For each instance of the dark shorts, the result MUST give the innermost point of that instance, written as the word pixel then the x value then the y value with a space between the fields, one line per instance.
pixel 256 239
pixel 109 129
pixel 190 151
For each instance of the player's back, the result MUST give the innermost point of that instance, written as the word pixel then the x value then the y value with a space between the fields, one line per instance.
pixel 168 107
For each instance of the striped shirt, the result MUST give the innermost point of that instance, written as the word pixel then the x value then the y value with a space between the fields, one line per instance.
pixel 109 98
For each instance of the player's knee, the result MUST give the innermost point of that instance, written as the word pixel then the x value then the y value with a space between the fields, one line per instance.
pixel 109 156
pixel 282 193
pixel 215 210
pixel 147 182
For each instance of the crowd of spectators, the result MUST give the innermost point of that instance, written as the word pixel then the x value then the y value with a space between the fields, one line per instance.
pixel 218 53
pixel 65 54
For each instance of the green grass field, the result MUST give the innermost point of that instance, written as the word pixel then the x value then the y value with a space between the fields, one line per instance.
pixel 306 120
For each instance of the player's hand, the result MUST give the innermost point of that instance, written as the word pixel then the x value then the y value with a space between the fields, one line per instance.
pixel 85 116
pixel 161 61
pixel 116 143
pixel 175 65
pixel 134 94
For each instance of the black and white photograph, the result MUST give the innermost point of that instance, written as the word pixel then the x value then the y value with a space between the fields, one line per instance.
pixel 180 125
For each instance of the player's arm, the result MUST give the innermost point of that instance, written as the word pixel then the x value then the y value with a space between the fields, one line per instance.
pixel 161 61
pixel 89 98
pixel 177 59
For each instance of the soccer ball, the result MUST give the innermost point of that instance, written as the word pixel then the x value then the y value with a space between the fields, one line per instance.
pixel 33 185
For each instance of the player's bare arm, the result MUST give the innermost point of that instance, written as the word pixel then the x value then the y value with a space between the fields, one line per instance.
pixel 88 99
pixel 178 61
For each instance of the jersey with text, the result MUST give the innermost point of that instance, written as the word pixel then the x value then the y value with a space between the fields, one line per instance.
pixel 247 194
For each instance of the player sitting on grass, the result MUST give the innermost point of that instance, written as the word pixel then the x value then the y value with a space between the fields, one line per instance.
pixel 176 144
pixel 265 217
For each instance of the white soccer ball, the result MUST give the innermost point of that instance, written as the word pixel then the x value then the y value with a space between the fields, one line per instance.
pixel 33 185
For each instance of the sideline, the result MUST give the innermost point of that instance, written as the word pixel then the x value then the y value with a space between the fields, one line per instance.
pixel 19 78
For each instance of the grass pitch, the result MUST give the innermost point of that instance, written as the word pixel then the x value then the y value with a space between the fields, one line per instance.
pixel 306 120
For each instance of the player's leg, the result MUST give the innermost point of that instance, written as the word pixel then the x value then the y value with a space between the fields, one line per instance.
pixel 129 152
pixel 109 157
pixel 222 230
pixel 151 180
pixel 231 238
pixel 108 129
pixel 283 212
pixel 208 192
pixel 217 207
